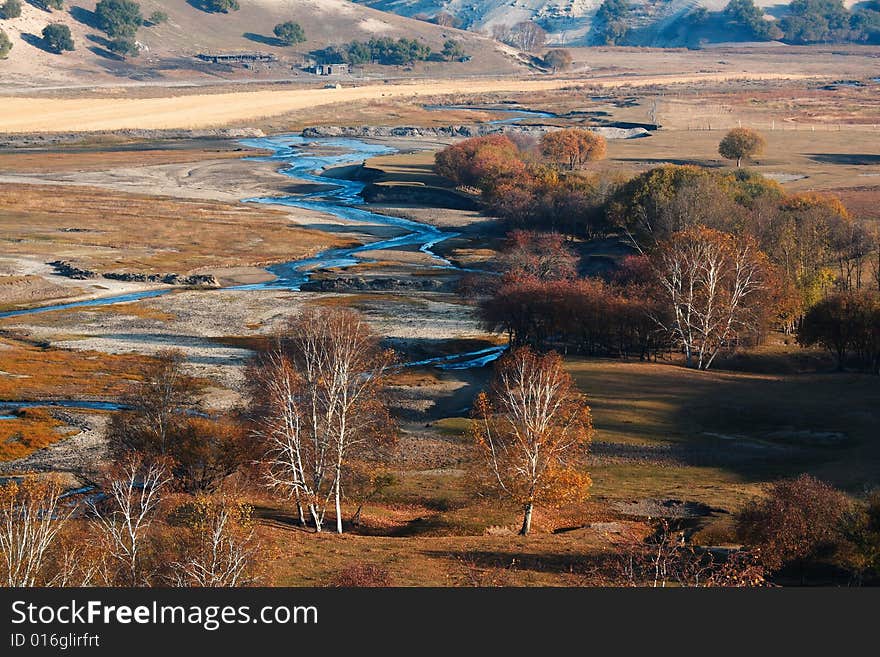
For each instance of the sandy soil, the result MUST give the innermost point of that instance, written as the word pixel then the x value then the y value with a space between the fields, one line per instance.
pixel 22 114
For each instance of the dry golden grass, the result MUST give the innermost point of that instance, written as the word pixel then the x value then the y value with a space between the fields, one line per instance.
pixel 732 431
pixel 30 372
pixel 111 231
pixel 33 429
pixel 101 160
pixel 37 114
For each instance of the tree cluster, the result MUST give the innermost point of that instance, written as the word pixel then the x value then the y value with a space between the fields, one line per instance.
pixel 120 19
pixel 611 18
pixel 527 36
pixel 848 325
pixel 384 50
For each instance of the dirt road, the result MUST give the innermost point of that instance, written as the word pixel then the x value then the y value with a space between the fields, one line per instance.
pixel 23 115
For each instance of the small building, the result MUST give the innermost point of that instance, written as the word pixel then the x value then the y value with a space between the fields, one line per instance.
pixel 329 69
pixel 237 57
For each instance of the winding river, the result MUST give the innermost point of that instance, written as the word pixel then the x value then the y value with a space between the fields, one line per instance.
pixel 306 160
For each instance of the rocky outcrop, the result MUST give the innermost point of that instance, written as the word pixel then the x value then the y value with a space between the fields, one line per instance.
pixel 457 131
pixel 69 270
pixel 358 283
pixel 366 131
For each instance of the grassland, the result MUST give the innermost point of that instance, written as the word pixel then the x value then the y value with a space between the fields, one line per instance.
pixel 38 114
pixel 111 231
pixel 35 372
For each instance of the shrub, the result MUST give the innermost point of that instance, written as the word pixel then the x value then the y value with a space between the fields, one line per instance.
pixel 57 37
pixel 10 9
pixel 800 519
pixel 5 45
pixel 157 18
pixel 290 33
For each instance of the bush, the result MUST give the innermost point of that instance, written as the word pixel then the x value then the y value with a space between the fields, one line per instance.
pixel 5 45
pixel 57 37
pixel 123 47
pixel 10 9
pixel 290 33
pixel 452 51
pixel 157 18
pixel 219 6
pixel 559 59
pixel 799 520
pixel 49 5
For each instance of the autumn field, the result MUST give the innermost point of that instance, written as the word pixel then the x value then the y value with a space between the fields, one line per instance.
pixel 545 250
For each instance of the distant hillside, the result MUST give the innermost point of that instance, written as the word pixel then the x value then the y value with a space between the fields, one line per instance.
pixel 168 49
pixel 659 23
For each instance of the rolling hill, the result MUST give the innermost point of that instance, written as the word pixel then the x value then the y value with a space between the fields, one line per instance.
pixel 660 23
pixel 169 49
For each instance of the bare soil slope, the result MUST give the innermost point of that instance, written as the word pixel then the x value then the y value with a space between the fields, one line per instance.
pixel 168 50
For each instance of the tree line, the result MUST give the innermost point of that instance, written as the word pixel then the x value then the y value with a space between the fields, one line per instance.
pixel 389 52
pixel 807 21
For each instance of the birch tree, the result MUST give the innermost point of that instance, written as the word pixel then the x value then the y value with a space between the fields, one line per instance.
pixel 533 429
pixel 31 517
pixel 712 284
pixel 319 405
pixel 222 550
pixel 133 491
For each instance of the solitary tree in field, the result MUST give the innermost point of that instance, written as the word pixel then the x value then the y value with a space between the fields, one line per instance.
pixel 290 33
pixel 741 143
pixel 572 148
pixel 558 59
pixel 713 287
pixel 5 45
pixel 533 430
pixel 57 37
pixel 319 405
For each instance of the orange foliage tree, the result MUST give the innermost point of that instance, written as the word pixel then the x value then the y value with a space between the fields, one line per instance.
pixel 573 147
pixel 533 430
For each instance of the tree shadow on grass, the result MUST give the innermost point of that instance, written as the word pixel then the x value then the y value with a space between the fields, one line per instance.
pixel 856 159
pixel 37 42
pixel 106 54
pixel 265 40
pixel 84 16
